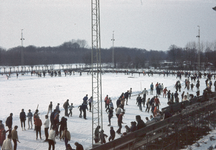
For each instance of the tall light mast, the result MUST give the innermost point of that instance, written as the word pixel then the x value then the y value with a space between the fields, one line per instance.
pixel 198 36
pixel 97 117
pixel 22 55
pixel 113 59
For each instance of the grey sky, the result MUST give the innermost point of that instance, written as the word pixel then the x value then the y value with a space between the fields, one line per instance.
pixel 149 24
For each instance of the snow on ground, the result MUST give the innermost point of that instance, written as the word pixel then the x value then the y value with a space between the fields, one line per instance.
pixel 26 92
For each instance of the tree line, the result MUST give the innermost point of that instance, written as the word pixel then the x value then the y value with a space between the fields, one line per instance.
pixel 77 51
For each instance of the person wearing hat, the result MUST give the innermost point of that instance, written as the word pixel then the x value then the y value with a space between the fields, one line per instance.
pixel 66 136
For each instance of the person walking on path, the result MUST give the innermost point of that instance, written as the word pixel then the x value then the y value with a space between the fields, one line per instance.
pixel 30 115
pixel 14 136
pixel 46 127
pixel 145 92
pixel 22 119
pixel 70 109
pixel 139 102
pixel 38 124
pixel 66 136
pixel 51 139
pixel 110 114
pixel 65 106
pixel 120 118
pixel 112 134
pixel 7 144
pixel 90 103
pixel 126 95
pixel 9 122
pixel 50 108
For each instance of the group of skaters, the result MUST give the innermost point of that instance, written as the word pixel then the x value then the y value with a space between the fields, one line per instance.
pixel 54 128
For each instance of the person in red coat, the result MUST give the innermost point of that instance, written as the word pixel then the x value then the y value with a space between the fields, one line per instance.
pixel 38 124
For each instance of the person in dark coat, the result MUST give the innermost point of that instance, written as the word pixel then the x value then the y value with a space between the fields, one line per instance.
pixel 63 124
pixel 84 107
pixel 112 134
pixel 9 122
pixel 78 146
pixel 110 114
pixel 140 122
pixel 65 105
pixel 22 119
pixel 52 118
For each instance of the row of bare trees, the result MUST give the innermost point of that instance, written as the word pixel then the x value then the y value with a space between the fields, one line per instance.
pixel 77 51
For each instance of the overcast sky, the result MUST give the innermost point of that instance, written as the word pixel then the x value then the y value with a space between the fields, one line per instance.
pixel 147 24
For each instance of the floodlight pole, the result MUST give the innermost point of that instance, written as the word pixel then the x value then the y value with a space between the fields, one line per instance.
pixel 97 113
pixel 113 56
pixel 198 36
pixel 22 55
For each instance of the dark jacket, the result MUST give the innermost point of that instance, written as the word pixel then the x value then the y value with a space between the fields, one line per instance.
pixel 9 121
pixel 22 116
pixel 140 124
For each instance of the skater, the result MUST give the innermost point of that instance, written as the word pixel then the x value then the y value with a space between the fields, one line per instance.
pixel 51 139
pixel 111 104
pixel 9 122
pixel 130 92
pixel 139 102
pixel 38 124
pixel 65 106
pixel 147 105
pixel 52 118
pixel 70 109
pixel 63 125
pixel 2 133
pixel 145 92
pixel 85 99
pixel 90 103
pixel 84 108
pixel 97 133
pixel 50 108
pixel 29 115
pixel 151 88
pixel 14 136
pixel 110 114
pixel 105 101
pixel 57 108
pixel 7 145
pixel 80 109
pixel 120 122
pixel 112 134
pixel 66 136
pixel 126 95
pixel 46 127
pixel 102 137
pixel 22 119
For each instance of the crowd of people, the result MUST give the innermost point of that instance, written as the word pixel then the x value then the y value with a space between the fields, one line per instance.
pixel 56 128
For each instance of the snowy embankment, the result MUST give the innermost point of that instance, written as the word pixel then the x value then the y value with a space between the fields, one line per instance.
pixel 26 92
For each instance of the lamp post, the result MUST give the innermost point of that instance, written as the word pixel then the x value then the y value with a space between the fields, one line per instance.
pixel 113 60
pixel 198 36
